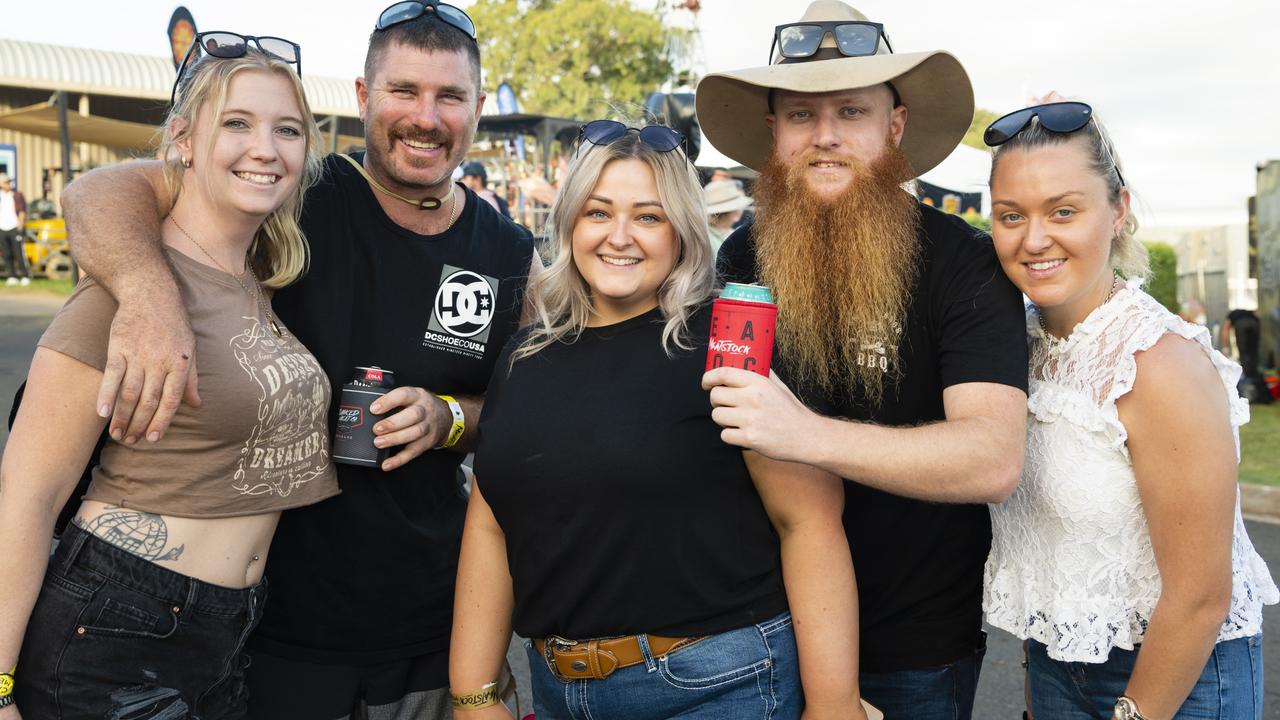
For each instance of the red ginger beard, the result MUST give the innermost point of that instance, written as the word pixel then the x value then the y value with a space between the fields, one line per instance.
pixel 843 270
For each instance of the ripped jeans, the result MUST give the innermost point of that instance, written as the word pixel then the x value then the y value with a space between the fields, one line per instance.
pixel 117 637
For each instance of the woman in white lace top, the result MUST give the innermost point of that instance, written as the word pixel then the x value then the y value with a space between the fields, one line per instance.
pixel 1121 557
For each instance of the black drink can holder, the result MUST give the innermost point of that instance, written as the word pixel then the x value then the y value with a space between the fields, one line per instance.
pixel 353 437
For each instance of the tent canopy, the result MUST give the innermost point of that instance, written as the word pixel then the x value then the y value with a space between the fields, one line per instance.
pixel 42 119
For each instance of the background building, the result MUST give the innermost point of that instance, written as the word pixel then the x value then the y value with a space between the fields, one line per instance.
pixel 1267 206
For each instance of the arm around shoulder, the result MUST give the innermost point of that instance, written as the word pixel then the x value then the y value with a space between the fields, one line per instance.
pixel 113 224
pixel 113 218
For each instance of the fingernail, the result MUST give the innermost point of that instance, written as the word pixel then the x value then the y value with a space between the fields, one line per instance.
pixel 375 408
pixel 117 434
pixel 131 440
pixel 379 442
pixel 104 411
pixel 154 437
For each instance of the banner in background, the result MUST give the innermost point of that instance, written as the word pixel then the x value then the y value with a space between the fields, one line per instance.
pixel 182 32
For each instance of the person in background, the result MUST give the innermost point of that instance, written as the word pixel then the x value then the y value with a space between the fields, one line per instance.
pixel 152 590
pixel 684 577
pixel 1121 557
pixel 13 217
pixel 475 177
pixel 725 204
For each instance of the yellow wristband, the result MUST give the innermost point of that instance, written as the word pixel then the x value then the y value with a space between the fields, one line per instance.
pixel 487 696
pixel 459 423
pixel 6 682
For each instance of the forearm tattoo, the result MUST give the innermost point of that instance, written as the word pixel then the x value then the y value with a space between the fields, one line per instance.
pixel 141 533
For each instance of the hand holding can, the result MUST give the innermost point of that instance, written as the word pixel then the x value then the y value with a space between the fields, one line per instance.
pixel 353 436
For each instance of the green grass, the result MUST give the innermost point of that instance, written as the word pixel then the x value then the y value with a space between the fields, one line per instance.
pixel 1260 446
pixel 41 285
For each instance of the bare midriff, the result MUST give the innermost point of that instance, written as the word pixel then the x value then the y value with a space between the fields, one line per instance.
pixel 230 552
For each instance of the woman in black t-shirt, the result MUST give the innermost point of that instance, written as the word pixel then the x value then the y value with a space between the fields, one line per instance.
pixel 652 564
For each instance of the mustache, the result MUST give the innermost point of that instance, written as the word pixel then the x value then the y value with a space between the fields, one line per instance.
pixel 437 136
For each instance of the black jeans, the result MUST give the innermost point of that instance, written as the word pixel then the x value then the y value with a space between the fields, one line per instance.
pixel 15 257
pixel 116 636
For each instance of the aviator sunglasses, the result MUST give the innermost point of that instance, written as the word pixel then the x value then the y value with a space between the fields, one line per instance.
pixel 853 38
pixel 414 9
pixel 222 44
pixel 1059 117
pixel 657 137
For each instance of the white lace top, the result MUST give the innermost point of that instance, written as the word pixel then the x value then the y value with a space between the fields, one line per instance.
pixel 1071 562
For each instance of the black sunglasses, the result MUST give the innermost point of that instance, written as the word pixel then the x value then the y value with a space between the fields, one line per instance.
pixel 853 38
pixel 414 9
pixel 1059 117
pixel 222 44
pixel 656 137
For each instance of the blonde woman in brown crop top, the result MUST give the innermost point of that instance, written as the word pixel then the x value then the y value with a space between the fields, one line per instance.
pixel 150 594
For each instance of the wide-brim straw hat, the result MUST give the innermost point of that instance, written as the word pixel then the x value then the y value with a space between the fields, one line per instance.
pixel 724 196
pixel 932 85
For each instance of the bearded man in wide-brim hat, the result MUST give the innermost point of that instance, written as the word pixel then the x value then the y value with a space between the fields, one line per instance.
pixel 895 325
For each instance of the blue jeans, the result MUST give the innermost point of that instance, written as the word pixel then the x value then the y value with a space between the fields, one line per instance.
pixel 751 672
pixel 1229 688
pixel 116 636
pixel 945 692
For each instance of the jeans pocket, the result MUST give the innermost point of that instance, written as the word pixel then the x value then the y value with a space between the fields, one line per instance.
pixel 118 612
pixel 717 660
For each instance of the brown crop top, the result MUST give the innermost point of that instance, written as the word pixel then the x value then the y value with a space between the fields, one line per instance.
pixel 258 443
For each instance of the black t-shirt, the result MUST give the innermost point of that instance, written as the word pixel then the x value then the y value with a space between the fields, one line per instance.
pixel 368 576
pixel 623 510
pixel 919 564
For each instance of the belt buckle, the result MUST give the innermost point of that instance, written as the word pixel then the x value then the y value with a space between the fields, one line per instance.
pixel 549 646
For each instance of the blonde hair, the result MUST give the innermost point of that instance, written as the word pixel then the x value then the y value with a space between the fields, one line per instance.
pixel 279 253
pixel 1128 255
pixel 560 296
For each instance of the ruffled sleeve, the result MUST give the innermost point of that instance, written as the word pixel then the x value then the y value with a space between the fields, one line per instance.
pixel 1145 322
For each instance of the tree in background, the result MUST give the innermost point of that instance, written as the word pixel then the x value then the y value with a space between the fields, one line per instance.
pixel 1163 283
pixel 981 119
pixel 574 59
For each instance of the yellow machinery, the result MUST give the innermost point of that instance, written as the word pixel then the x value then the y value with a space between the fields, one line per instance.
pixel 46 243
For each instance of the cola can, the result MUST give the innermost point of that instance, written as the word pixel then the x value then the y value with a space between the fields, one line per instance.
pixel 353 436
pixel 742 324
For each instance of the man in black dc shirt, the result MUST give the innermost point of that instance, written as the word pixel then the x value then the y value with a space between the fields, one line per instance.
pixel 408 271
pixel 896 327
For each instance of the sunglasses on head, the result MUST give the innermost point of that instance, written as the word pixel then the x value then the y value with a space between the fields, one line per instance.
pixel 657 137
pixel 414 9
pixel 853 38
pixel 1059 117
pixel 222 44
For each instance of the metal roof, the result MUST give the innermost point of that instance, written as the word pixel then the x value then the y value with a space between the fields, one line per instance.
pixel 105 72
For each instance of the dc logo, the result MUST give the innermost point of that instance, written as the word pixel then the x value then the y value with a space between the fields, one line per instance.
pixel 464 304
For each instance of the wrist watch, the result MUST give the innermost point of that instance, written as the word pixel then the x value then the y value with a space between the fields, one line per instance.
pixel 1127 709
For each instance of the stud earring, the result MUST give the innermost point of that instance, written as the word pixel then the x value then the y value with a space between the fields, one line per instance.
pixel 186 162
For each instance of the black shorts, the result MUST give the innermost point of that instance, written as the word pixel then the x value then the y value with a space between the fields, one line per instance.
pixel 113 633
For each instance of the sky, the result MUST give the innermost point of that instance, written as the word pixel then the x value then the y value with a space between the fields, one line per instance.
pixel 1189 90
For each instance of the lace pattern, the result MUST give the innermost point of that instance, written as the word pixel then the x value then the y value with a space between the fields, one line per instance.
pixel 1071 561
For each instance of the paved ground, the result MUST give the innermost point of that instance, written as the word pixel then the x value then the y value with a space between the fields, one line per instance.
pixel 24 317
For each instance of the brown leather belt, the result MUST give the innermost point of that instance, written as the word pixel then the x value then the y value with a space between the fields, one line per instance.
pixel 596 659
